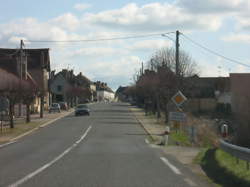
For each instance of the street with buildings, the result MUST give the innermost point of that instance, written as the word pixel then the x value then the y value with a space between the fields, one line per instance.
pixel 133 94
pixel 107 148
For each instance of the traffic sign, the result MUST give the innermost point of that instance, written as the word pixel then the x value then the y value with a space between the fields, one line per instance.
pixel 178 99
pixel 177 116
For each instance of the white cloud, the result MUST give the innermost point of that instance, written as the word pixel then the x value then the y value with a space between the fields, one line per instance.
pixel 96 51
pixel 149 45
pixel 67 21
pixel 82 6
pixel 239 37
pixel 213 6
pixel 153 17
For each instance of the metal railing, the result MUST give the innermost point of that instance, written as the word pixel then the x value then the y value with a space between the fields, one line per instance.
pixel 237 151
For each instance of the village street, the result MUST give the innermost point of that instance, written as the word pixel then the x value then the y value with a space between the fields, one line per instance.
pixel 107 148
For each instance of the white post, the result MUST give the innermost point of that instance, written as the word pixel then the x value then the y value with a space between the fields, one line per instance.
pixel 165 136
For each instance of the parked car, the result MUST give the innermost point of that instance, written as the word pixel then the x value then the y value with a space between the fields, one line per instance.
pixel 82 110
pixel 55 107
pixel 63 106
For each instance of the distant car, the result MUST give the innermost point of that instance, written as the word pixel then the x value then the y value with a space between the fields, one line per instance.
pixel 82 110
pixel 63 106
pixel 55 107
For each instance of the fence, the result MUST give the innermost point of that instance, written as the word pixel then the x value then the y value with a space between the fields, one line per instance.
pixel 237 151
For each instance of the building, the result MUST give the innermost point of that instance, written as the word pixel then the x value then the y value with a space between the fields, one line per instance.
pixel 32 65
pixel 70 88
pixel 240 91
pixel 207 93
pixel 103 92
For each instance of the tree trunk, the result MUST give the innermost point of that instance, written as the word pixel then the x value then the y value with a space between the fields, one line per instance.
pixel 41 106
pixel 11 113
pixel 158 106
pixel 27 113
pixel 166 113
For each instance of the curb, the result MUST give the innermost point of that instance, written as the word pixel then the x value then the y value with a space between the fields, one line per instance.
pixel 14 140
pixel 139 121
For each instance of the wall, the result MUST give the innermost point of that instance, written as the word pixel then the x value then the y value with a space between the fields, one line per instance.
pixel 105 95
pixel 203 104
pixel 240 94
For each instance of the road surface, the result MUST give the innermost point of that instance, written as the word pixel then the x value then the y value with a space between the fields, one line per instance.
pixel 105 149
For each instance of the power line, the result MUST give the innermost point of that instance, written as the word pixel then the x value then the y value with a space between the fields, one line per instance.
pixel 99 39
pixel 213 52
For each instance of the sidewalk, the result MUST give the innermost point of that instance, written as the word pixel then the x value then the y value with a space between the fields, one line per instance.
pixel 185 155
pixel 22 128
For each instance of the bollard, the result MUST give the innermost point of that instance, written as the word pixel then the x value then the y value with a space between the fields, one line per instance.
pixel 167 131
pixel 224 130
pixel 165 136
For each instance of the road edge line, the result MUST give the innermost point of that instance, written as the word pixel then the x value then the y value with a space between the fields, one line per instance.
pixel 139 121
pixel 14 140
pixel 171 166
pixel 39 170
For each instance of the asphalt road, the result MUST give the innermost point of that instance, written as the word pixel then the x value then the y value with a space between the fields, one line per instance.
pixel 105 149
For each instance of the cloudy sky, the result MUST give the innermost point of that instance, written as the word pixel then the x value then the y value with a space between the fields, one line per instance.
pixel 220 25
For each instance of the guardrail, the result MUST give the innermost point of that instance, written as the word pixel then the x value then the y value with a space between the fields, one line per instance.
pixel 237 151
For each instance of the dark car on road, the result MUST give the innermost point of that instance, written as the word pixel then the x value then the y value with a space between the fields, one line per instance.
pixel 82 110
pixel 55 107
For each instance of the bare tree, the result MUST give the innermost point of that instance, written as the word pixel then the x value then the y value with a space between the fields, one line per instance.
pixel 159 83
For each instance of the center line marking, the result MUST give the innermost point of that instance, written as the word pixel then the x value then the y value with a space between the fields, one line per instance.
pixel 39 170
pixel 172 167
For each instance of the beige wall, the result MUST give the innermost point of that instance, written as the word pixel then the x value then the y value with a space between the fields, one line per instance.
pixel 203 104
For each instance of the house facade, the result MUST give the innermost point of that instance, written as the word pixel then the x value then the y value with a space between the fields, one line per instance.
pixel 32 65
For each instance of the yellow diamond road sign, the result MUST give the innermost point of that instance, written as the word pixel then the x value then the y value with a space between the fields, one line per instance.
pixel 179 98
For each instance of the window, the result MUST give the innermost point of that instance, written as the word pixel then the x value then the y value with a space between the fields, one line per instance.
pixel 59 88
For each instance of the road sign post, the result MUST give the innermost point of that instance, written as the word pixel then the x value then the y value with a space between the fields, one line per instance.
pixel 178 117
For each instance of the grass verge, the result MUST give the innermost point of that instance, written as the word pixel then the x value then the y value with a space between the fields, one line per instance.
pixel 222 168
pixel 19 129
pixel 180 138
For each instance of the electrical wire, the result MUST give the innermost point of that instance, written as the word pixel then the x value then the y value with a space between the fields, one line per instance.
pixel 99 39
pixel 213 52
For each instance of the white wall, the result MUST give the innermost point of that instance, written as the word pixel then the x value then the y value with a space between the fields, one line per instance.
pixel 105 95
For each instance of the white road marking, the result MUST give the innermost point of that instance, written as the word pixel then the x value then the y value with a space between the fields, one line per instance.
pixel 190 182
pixel 172 167
pixel 39 170
pixel 3 145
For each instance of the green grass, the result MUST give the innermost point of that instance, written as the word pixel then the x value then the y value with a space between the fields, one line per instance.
pixel 222 168
pixel 180 137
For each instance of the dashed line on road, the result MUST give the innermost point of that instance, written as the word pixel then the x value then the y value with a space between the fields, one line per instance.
pixel 172 167
pixel 39 170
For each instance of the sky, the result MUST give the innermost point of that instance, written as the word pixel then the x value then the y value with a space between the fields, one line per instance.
pixel 222 26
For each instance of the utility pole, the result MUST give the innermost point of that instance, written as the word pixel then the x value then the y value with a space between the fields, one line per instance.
pixel 177 65
pixel 142 70
pixel 21 76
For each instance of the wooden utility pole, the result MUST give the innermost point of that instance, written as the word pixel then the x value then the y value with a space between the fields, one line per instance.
pixel 42 91
pixel 177 65
pixel 142 70
pixel 21 76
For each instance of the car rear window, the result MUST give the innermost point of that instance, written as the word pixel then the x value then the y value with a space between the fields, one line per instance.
pixel 82 106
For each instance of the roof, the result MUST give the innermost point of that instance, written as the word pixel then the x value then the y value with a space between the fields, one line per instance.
pixel 35 58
